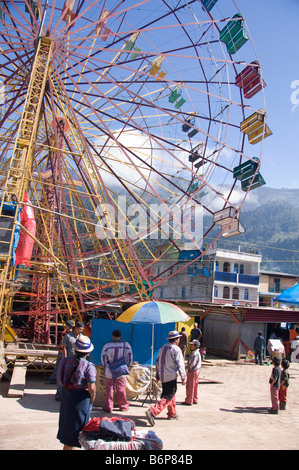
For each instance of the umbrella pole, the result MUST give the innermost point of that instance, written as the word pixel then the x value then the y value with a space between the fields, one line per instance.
pixel 152 360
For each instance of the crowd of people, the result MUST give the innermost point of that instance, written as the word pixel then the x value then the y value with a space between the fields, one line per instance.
pixel 76 379
pixel 292 352
pixel 76 376
pixel 280 378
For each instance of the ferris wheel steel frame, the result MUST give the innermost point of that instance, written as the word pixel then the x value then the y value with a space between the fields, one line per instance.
pixel 64 89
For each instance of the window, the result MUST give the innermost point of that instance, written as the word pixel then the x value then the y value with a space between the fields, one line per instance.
pixel 236 268
pixel 226 267
pixel 276 284
pixel 216 266
pixel 211 266
pixel 226 293
pixel 235 293
pixel 246 294
pixel 241 268
pixel 215 291
pixel 183 292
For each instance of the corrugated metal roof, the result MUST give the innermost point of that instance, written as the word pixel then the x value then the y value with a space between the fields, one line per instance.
pixel 251 314
pixel 277 274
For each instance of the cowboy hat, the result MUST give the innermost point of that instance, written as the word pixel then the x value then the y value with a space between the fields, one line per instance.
pixel 173 335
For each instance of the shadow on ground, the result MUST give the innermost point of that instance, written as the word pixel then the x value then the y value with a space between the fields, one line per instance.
pixel 247 409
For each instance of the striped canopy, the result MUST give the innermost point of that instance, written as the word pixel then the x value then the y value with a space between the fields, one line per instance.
pixel 153 312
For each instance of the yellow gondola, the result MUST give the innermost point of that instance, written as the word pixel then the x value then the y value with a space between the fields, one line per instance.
pixel 256 127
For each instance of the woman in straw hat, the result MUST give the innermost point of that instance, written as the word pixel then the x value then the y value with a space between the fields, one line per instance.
pixel 78 377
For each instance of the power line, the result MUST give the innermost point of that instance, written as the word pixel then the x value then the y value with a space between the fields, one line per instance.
pixel 258 245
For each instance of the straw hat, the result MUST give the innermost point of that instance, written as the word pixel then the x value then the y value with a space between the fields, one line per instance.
pixel 83 344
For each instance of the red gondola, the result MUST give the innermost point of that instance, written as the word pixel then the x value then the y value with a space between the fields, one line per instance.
pixel 250 79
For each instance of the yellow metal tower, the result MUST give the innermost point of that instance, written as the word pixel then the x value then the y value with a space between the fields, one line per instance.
pixel 19 171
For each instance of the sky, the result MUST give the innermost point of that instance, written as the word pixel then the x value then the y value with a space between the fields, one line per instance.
pixel 274 28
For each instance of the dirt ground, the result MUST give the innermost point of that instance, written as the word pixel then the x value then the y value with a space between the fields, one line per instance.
pixel 232 413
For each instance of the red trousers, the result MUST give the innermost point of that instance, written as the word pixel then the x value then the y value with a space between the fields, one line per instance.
pixel 192 387
pixel 283 394
pixel 163 403
pixel 274 392
pixel 119 385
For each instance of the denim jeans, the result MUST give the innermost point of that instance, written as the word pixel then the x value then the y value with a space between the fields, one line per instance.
pixel 259 356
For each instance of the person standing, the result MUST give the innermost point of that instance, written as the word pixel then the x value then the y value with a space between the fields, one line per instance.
pixel 193 370
pixel 183 341
pixel 69 325
pixel 275 385
pixel 67 347
pixel 284 384
pixel 68 342
pixel 169 363
pixel 294 348
pixel 112 351
pixel 78 377
pixel 196 333
pixel 259 346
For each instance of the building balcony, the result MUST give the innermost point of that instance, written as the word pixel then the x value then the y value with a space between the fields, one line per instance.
pixel 248 279
pixel 225 277
pixel 237 278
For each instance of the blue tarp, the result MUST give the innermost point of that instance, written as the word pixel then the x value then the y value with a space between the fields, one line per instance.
pixel 10 208
pixel 290 295
pixel 138 335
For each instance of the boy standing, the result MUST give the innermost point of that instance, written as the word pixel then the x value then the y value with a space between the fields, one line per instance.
pixel 274 382
pixel 285 381
pixel 193 370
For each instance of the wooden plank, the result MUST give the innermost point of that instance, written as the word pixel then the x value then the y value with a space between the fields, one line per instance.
pixel 18 379
pixel 30 352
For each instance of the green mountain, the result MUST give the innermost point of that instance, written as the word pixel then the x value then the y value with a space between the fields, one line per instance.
pixel 271 222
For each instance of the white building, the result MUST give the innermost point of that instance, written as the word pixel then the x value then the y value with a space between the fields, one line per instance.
pixel 220 276
pixel 235 276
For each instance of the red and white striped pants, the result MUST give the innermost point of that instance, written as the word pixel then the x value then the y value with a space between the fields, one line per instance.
pixel 192 387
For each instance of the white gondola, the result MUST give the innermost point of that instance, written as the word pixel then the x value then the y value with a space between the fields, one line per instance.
pixel 235 228
pixel 224 216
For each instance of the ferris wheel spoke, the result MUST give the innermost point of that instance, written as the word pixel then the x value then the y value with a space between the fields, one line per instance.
pixel 15 49
pixel 134 156
pixel 207 93
pixel 21 20
pixel 70 22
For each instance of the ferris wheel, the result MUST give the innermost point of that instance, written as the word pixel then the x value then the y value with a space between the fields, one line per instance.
pixel 123 124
